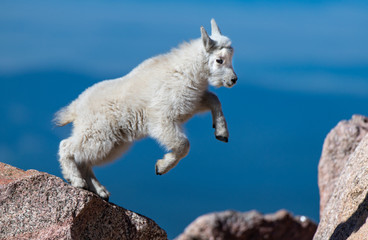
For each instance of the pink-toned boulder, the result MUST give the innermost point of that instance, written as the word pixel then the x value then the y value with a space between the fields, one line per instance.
pixel 36 205
pixel 230 225
pixel 339 144
pixel 345 214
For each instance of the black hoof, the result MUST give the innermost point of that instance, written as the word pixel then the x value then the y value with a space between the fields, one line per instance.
pixel 213 125
pixel 223 139
pixel 106 199
pixel 156 170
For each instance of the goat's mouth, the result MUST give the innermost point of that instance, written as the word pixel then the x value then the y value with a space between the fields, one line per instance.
pixel 228 84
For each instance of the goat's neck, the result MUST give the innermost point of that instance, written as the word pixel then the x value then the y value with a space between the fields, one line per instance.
pixel 199 71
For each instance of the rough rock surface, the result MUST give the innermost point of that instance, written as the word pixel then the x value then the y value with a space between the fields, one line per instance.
pixel 346 212
pixel 36 205
pixel 230 225
pixel 339 144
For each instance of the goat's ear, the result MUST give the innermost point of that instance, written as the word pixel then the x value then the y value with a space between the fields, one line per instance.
pixel 208 43
pixel 215 30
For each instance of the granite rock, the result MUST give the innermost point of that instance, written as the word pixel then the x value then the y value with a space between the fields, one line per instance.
pixel 339 144
pixel 345 214
pixel 37 205
pixel 231 225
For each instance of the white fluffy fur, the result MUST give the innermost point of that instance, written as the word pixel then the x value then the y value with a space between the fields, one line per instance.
pixel 154 99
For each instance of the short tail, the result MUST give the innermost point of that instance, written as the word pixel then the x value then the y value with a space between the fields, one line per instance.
pixel 64 116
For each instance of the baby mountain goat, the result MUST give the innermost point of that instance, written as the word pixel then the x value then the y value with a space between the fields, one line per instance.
pixel 154 99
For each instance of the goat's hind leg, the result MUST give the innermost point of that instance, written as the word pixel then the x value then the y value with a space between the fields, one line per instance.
pixel 78 172
pixel 112 153
pixel 69 167
pixel 93 184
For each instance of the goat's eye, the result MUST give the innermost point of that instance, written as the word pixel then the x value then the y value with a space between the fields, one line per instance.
pixel 219 60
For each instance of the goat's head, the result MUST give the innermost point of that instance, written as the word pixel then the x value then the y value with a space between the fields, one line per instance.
pixel 220 55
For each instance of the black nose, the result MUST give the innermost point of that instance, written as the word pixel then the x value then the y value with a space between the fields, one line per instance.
pixel 233 80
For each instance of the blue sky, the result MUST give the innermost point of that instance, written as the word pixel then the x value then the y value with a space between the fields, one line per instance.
pixel 268 36
pixel 302 67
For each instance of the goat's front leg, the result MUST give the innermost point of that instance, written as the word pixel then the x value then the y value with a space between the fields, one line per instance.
pixel 211 102
pixel 170 135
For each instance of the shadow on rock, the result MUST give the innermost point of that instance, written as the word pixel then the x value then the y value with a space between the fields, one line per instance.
pixel 353 224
